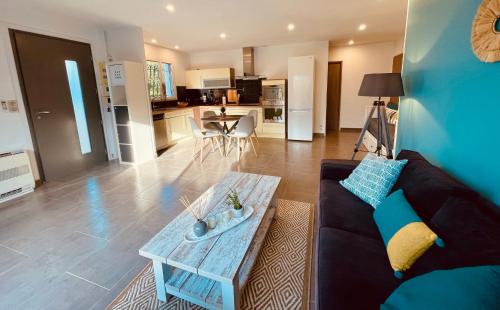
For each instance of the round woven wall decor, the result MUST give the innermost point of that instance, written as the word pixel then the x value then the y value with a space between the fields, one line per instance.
pixel 486 31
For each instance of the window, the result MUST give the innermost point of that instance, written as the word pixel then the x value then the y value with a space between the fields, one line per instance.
pixel 75 89
pixel 167 78
pixel 154 80
pixel 160 81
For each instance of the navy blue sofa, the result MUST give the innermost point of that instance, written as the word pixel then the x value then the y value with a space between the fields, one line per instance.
pixel 353 270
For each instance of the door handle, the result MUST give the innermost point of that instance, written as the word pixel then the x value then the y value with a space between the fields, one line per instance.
pixel 40 113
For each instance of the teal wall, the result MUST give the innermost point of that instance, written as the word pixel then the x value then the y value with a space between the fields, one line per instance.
pixel 451 112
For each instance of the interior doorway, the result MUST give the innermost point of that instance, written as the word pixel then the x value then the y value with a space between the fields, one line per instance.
pixel 333 96
pixel 59 89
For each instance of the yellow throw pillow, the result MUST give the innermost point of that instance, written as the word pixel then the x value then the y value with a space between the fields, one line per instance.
pixel 405 236
pixel 408 244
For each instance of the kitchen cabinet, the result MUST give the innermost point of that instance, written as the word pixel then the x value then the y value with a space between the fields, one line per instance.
pixel 210 78
pixel 193 79
pixel 239 110
pixel 218 73
pixel 273 130
pixel 177 126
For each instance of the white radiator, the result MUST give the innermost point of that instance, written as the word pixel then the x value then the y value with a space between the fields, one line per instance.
pixel 16 178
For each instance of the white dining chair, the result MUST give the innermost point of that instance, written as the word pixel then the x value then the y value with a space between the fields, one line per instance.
pixel 243 134
pixel 199 135
pixel 255 115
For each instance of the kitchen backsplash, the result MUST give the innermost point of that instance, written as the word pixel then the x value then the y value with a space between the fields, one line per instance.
pixel 249 91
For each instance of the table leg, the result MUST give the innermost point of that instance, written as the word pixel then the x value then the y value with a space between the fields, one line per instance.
pixel 224 132
pixel 231 295
pixel 162 273
pixel 224 140
pixel 232 127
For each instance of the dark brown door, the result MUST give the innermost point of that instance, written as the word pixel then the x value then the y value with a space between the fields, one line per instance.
pixel 397 66
pixel 59 88
pixel 333 96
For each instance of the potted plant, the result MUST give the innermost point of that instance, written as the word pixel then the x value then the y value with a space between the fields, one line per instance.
pixel 233 199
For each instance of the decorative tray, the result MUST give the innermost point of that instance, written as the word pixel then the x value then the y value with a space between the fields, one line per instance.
pixel 221 226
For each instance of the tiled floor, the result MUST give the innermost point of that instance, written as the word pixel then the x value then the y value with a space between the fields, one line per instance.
pixel 74 244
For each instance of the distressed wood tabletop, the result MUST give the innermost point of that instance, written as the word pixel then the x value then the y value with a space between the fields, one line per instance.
pixel 220 257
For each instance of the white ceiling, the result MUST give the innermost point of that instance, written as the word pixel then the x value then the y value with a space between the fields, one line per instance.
pixel 196 24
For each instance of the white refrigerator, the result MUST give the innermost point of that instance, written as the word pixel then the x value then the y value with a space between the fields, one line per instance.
pixel 300 98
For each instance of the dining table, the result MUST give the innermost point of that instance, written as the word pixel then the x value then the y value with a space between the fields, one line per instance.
pixel 224 119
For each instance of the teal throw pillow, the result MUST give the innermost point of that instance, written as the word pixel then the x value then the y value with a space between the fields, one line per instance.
pixel 373 178
pixel 392 106
pixel 405 236
pixel 458 289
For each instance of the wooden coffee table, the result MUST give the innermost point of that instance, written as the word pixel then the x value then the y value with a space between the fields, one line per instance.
pixel 212 273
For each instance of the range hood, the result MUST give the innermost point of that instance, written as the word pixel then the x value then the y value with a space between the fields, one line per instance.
pixel 248 62
pixel 248 65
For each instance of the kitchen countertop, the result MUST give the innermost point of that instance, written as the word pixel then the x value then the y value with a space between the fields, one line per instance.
pixel 169 109
pixel 165 110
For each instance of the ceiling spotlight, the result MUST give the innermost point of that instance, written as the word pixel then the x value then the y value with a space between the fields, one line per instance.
pixel 351 42
pixel 154 41
pixel 362 27
pixel 170 8
pixel 222 35
pixel 176 47
pixel 291 27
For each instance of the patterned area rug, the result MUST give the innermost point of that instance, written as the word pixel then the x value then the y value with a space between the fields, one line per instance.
pixel 277 278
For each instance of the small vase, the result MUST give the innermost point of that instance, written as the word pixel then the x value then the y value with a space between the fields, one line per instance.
pixel 200 228
pixel 237 213
pixel 226 216
pixel 211 222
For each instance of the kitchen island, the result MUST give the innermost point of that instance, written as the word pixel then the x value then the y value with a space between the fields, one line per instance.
pixel 175 124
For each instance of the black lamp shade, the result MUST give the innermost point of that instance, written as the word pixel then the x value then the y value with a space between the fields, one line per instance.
pixel 382 85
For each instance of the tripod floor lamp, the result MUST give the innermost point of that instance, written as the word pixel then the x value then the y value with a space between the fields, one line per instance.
pixel 379 85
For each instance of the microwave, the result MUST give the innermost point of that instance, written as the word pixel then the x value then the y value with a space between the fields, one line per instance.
pixel 273 92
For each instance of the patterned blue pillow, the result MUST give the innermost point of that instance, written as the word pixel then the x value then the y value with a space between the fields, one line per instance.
pixel 373 178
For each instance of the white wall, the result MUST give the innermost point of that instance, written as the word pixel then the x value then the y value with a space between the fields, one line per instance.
pixel 272 62
pixel 399 46
pixel 357 60
pixel 14 129
pixel 125 43
pixel 179 61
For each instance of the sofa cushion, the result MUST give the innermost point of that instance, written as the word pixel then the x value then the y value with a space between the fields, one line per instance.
pixel 337 169
pixel 427 187
pixel 338 208
pixel 353 271
pixel 471 231
pixel 461 288
pixel 373 178
pixel 405 236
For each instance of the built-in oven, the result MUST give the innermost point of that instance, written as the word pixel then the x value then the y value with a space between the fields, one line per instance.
pixel 274 100
pixel 274 114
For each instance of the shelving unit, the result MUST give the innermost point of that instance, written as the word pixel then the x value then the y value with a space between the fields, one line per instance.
pixel 131 111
